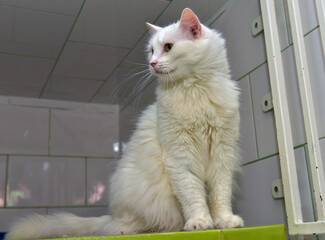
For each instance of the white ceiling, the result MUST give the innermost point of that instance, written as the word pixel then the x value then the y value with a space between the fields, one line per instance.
pixel 80 50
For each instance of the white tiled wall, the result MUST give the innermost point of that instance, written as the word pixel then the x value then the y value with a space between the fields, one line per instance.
pixel 55 155
pixel 83 133
pixel 30 35
pixel 24 130
pixel 255 202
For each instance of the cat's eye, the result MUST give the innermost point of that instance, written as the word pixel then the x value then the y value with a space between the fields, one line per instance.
pixel 168 47
pixel 151 50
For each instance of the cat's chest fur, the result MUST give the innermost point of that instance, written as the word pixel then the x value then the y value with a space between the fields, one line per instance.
pixel 189 109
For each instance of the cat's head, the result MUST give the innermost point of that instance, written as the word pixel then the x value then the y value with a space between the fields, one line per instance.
pixel 182 49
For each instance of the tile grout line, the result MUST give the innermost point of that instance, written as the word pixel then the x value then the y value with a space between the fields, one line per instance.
pixel 55 207
pixel 271 155
pixel 6 181
pixel 23 55
pixel 260 159
pixel 248 73
pixel 213 21
pixel 57 156
pixel 253 113
pixel 81 78
pixel 98 44
pixel 61 51
pixel 125 57
pixel 38 10
pixel 310 31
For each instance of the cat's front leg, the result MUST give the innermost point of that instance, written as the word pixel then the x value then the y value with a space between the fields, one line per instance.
pixel 220 186
pixel 187 185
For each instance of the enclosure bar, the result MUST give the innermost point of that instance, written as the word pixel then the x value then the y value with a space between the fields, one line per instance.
pixel 314 153
pixel 320 6
pixel 282 118
pixel 310 228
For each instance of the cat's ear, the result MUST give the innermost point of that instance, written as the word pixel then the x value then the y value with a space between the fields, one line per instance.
pixel 153 28
pixel 190 23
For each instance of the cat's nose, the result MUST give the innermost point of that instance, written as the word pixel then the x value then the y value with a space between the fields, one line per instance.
pixel 153 64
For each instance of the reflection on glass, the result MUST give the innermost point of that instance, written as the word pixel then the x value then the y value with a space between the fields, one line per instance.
pixel 96 192
pixel 16 195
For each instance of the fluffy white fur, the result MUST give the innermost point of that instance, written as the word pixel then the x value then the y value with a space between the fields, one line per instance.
pixel 178 169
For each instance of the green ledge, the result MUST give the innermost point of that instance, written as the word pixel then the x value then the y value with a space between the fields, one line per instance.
pixel 273 232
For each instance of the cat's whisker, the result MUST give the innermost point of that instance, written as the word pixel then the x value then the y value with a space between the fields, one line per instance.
pixel 135 63
pixel 130 75
pixel 124 81
pixel 139 82
pixel 141 89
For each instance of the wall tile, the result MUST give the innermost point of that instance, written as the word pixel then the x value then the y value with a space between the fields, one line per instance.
pixel 138 55
pixel 247 142
pixel 128 120
pixel 81 212
pixel 82 134
pixel 70 7
pixel 98 173
pixel 265 123
pixel 80 60
pixel 17 71
pixel 39 181
pixel 72 89
pixel 131 111
pixel 123 78
pixel 24 130
pixel 99 19
pixel 255 202
pixel 239 27
pixel 316 66
pixel 3 167
pixel 9 216
pixel 239 39
pixel 32 32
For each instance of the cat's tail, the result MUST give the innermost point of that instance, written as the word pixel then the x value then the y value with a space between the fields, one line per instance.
pixel 60 225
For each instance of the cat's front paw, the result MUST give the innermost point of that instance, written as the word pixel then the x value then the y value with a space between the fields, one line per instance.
pixel 198 224
pixel 229 221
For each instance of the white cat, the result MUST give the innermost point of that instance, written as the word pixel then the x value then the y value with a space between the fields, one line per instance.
pixel 178 169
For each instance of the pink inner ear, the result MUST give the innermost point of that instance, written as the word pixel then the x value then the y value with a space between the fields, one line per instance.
pixel 190 23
